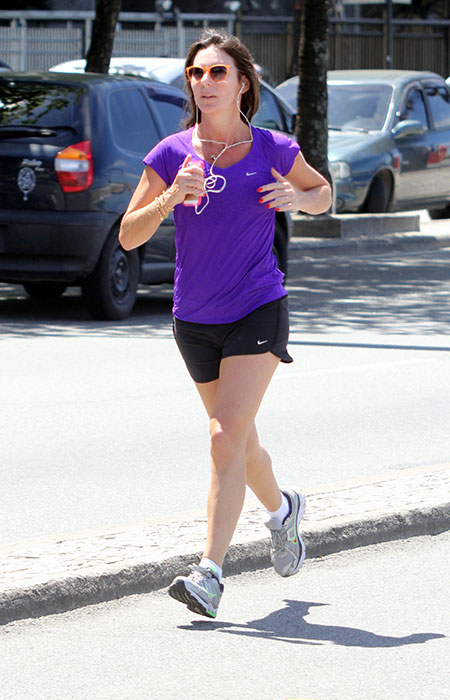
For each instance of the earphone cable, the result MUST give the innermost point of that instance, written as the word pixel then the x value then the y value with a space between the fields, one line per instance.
pixel 212 178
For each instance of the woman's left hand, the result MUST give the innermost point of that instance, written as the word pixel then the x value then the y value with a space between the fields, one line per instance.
pixel 280 195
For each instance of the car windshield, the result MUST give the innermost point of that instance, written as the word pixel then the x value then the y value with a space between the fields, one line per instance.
pixel 39 104
pixel 358 106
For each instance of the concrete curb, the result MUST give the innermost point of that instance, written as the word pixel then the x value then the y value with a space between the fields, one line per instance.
pixel 310 248
pixel 388 507
pixel 432 235
pixel 352 225
pixel 69 594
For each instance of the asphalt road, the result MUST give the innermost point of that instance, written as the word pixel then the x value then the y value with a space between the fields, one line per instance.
pixel 101 425
pixel 367 624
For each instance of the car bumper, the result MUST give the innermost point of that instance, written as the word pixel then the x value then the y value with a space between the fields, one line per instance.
pixel 41 246
pixel 348 196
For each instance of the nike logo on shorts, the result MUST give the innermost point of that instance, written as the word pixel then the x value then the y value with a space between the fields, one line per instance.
pixel 261 342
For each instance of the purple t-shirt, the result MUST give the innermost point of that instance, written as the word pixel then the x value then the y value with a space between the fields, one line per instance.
pixel 225 267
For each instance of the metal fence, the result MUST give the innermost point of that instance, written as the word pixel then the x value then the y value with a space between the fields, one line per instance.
pixel 31 40
pixel 417 45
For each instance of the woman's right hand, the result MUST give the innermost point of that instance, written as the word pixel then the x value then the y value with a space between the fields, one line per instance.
pixel 190 180
pixel 142 218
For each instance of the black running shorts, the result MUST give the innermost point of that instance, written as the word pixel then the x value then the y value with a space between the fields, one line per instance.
pixel 203 345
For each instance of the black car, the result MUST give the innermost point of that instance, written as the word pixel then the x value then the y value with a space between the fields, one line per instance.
pixel 71 148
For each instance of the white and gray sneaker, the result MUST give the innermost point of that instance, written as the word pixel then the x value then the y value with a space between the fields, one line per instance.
pixel 200 591
pixel 287 549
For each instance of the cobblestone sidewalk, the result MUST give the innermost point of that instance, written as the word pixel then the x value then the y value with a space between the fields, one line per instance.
pixel 52 574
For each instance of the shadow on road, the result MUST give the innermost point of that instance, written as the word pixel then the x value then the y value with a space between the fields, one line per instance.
pixel 289 625
pixel 408 294
pixel 23 317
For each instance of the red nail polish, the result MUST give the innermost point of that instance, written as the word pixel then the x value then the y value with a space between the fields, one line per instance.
pixel 276 209
pixel 260 200
pixel 267 206
pixel 259 189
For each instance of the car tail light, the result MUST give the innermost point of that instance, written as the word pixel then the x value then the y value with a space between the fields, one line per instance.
pixel 74 167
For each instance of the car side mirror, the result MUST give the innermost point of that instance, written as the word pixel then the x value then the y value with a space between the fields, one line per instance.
pixel 408 127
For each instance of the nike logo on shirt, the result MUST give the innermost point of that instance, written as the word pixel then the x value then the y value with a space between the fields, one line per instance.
pixel 248 174
pixel 261 342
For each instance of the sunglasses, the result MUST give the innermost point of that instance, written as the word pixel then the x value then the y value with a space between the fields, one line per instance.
pixel 217 72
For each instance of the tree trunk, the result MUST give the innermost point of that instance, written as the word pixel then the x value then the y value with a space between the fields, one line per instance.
pixel 100 50
pixel 312 124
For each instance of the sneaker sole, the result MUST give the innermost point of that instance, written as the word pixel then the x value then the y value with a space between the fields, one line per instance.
pixel 178 591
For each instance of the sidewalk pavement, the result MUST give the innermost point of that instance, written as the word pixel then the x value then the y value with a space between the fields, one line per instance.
pixel 364 234
pixel 46 575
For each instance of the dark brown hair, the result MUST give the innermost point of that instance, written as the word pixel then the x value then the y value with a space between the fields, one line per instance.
pixel 244 63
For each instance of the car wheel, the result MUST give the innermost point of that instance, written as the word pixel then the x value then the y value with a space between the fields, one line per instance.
pixel 440 213
pixel 280 248
pixel 43 291
pixel 110 290
pixel 379 196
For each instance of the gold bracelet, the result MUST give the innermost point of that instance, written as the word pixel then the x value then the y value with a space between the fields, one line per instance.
pixel 165 209
pixel 158 206
pixel 161 206
pixel 161 212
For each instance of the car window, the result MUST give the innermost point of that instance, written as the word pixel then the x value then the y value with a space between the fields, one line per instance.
pixel 358 106
pixel 132 124
pixel 439 100
pixel 288 91
pixel 268 115
pixel 179 81
pixel 170 109
pixel 41 104
pixel 414 108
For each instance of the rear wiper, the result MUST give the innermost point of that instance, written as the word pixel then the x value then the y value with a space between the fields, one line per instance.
pixel 24 131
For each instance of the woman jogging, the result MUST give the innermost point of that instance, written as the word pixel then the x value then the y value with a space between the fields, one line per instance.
pixel 225 179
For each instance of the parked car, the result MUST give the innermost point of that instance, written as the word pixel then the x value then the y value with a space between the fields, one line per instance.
pixel 166 69
pixel 4 66
pixel 273 113
pixel 71 148
pixel 389 139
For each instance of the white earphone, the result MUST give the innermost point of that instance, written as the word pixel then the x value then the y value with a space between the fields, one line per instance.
pixel 213 180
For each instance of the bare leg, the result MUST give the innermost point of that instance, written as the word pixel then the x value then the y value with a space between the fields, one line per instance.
pixel 260 477
pixel 232 403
